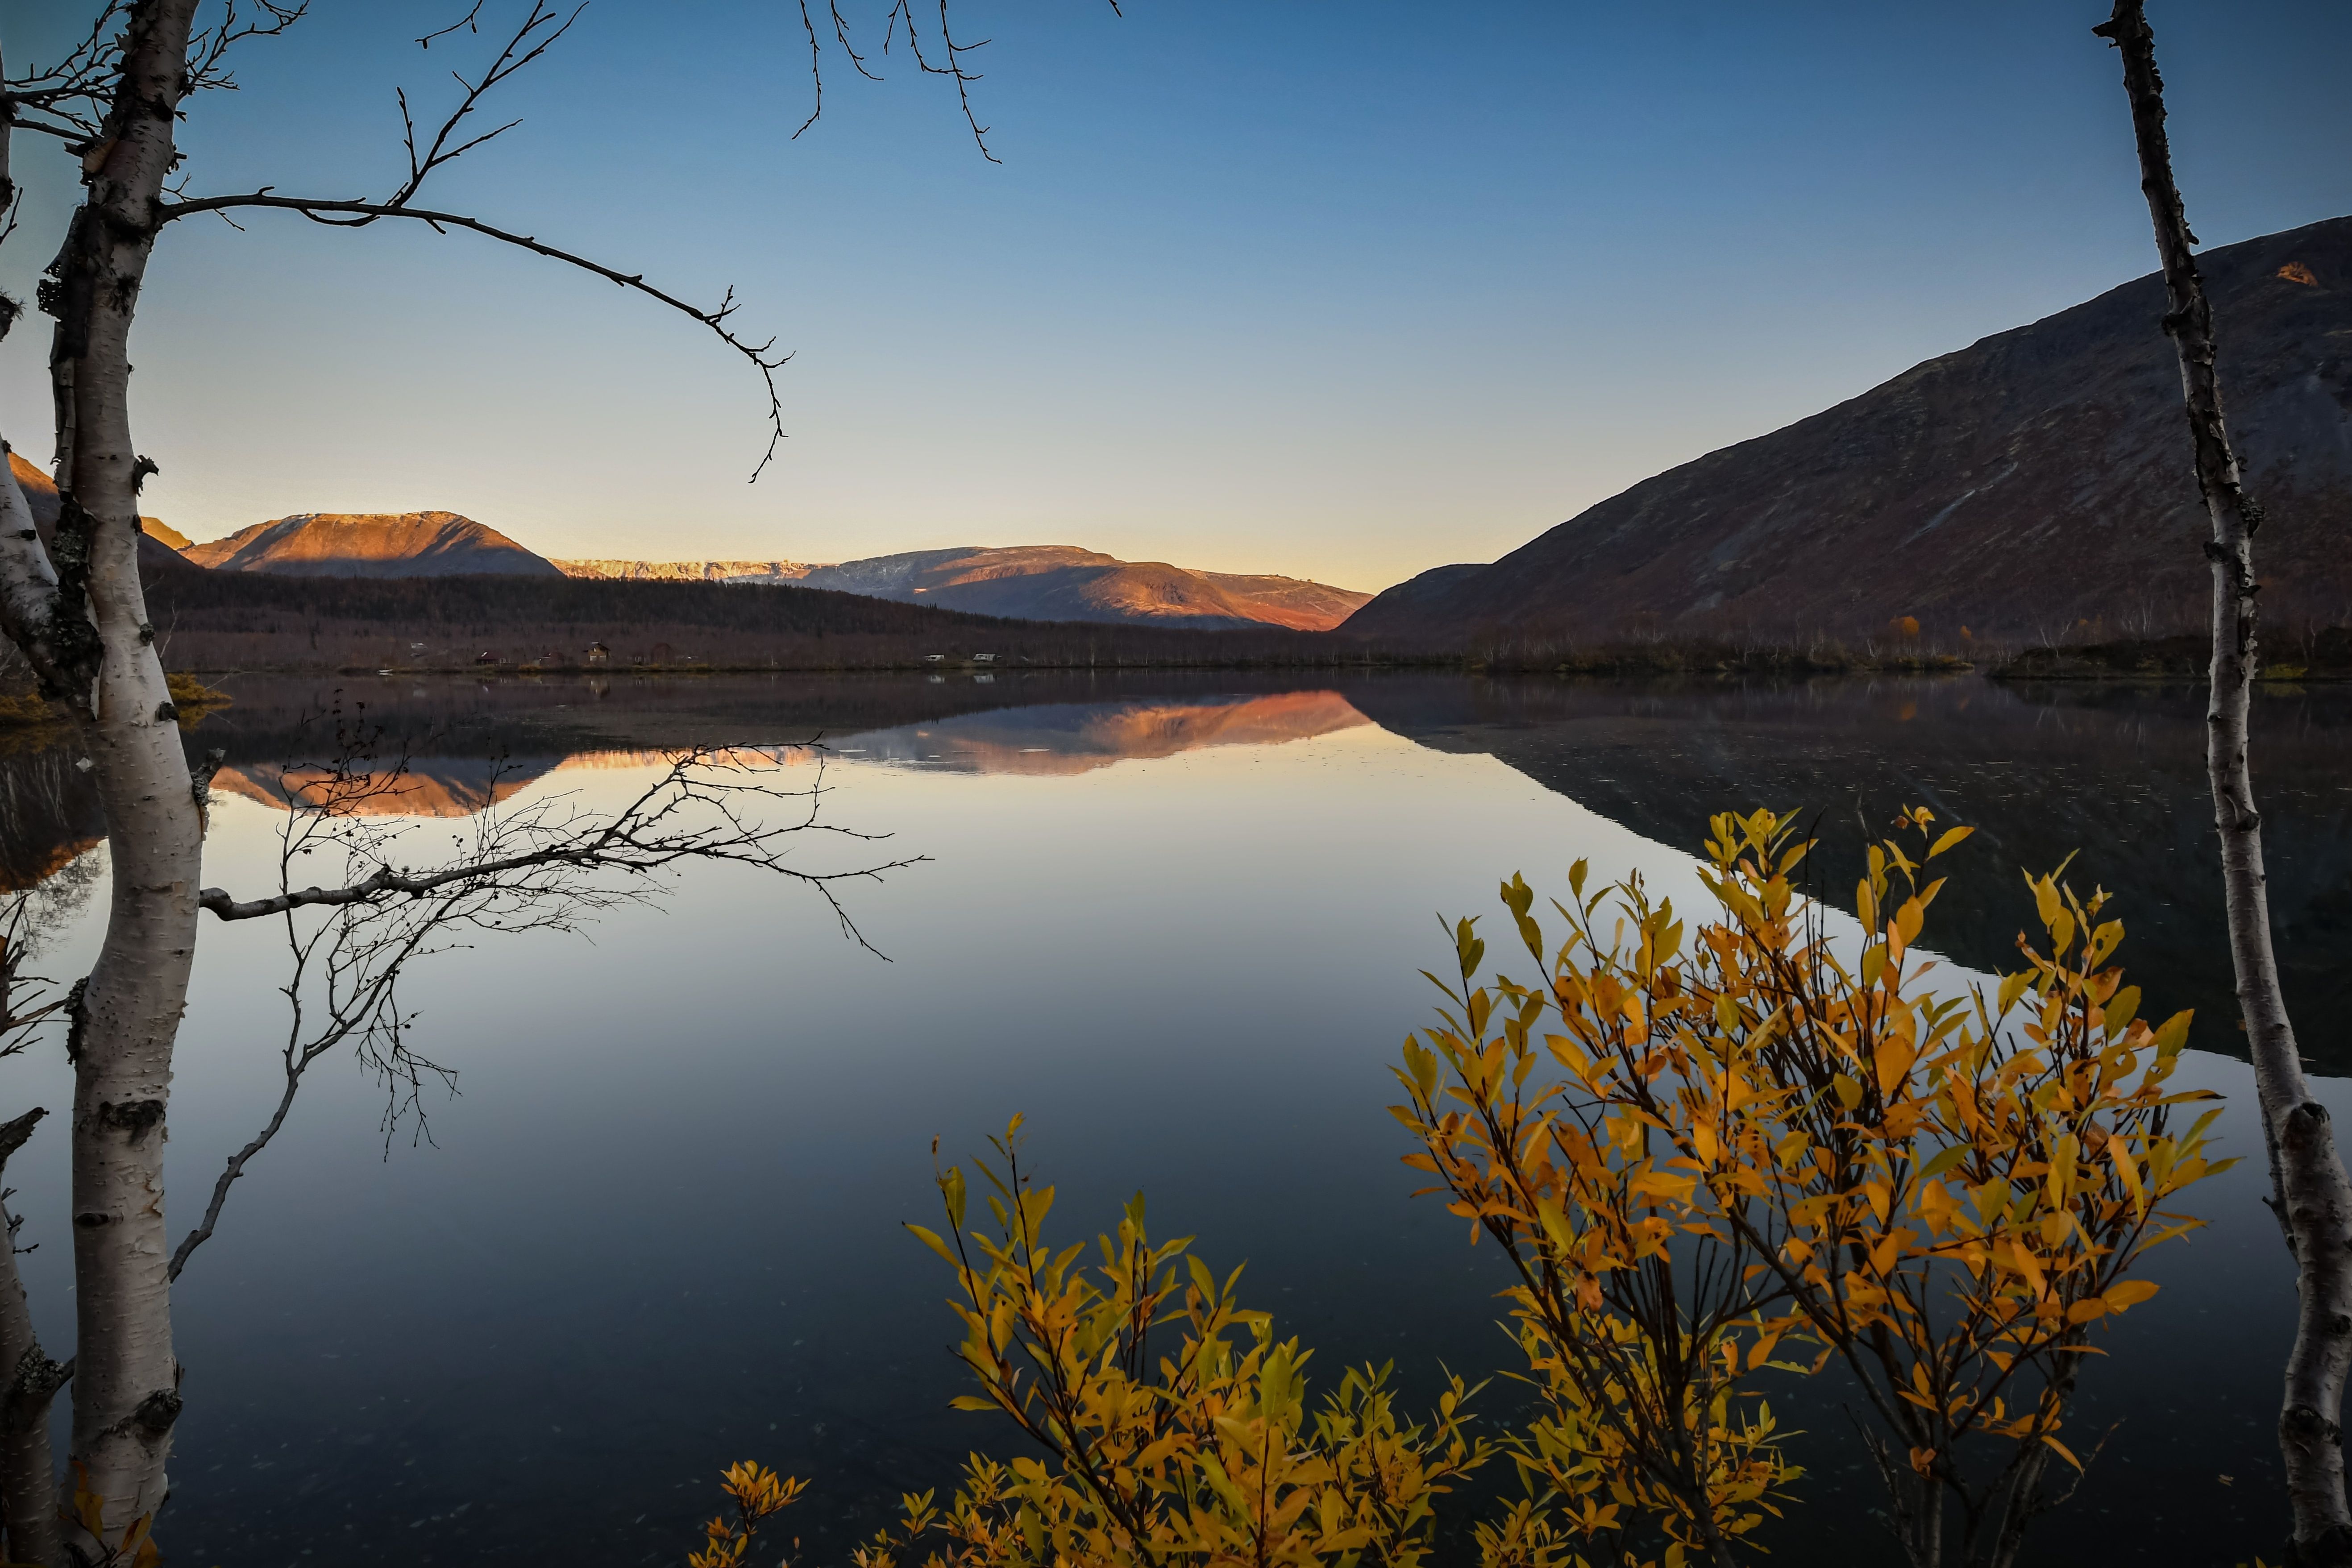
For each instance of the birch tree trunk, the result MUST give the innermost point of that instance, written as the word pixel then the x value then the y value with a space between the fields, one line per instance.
pixel 28 1484
pixel 2310 1191
pixel 77 611
pixel 125 1386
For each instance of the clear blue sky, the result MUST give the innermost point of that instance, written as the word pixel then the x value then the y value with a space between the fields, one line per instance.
pixel 1341 290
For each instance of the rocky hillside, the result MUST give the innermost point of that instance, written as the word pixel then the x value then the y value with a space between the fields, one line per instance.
pixel 766 571
pixel 377 544
pixel 2035 484
pixel 156 552
pixel 1291 601
pixel 1062 582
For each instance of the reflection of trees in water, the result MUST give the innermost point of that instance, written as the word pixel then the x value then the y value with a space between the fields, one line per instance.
pixel 35 916
pixel 2116 774
pixel 49 815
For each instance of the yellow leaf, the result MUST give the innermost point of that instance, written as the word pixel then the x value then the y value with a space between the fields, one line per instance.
pixel 2046 900
pixel 2173 1034
pixel 2127 1172
pixel 2128 1293
pixel 930 1239
pixel 1909 919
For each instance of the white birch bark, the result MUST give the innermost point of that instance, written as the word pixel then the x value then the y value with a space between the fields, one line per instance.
pixel 125 1389
pixel 28 1488
pixel 29 583
pixel 2311 1193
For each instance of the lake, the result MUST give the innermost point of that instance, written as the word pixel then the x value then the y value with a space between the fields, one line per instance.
pixel 1175 920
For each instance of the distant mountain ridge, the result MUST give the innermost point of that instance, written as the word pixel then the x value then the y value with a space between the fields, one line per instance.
pixel 371 544
pixel 766 571
pixel 1025 582
pixel 1063 582
pixel 2035 483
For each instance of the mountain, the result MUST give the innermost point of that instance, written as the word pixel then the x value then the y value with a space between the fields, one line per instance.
pixel 1294 602
pixel 1062 582
pixel 2026 486
pixel 766 571
pixel 157 528
pixel 376 544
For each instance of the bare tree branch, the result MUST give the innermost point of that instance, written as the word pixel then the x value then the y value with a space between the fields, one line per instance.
pixel 761 356
pixel 946 48
pixel 816 56
pixel 545 866
pixel 537 33
pixel 694 811
pixel 72 132
pixel 465 23
pixel 954 67
pixel 73 90
pixel 207 49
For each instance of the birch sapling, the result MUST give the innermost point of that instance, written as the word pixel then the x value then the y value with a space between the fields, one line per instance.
pixel 2309 1189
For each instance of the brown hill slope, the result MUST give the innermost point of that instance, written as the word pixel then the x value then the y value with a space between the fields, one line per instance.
pixel 2035 481
pixel 380 544
pixel 1290 601
pixel 157 551
pixel 1062 582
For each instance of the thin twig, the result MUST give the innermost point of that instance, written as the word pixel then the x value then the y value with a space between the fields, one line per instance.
pixel 762 356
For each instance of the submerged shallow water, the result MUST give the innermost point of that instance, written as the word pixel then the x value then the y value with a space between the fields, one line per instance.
pixel 1176 922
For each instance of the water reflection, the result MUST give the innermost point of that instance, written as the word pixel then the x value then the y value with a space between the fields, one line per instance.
pixel 1176 920
pixel 428 786
pixel 1064 739
pixel 49 814
pixel 2113 776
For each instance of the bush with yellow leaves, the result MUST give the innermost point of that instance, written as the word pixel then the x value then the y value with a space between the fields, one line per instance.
pixel 1176 1427
pixel 1704 1154
pixel 1697 1147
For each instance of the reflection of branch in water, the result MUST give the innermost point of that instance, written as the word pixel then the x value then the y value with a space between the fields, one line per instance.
pixel 548 866
pixel 24 999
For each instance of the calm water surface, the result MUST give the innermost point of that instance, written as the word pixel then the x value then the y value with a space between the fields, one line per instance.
pixel 1175 921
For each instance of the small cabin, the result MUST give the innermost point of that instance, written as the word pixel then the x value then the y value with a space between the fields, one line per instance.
pixel 935 658
pixel 486 658
pixel 983 658
pixel 599 654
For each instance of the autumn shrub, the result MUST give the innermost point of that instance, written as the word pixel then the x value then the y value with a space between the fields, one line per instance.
pixel 1776 1141
pixel 1701 1147
pixel 1200 1446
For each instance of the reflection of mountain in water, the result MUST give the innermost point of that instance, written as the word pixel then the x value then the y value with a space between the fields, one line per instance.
pixel 2116 774
pixel 1062 738
pixel 1044 738
pixel 429 786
